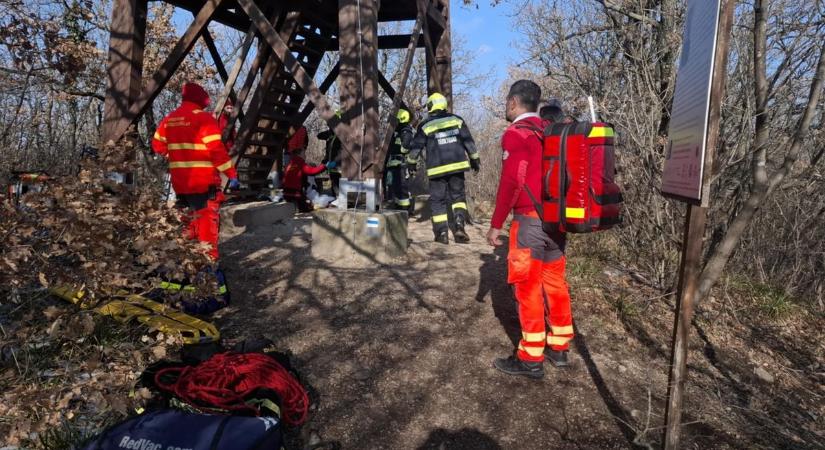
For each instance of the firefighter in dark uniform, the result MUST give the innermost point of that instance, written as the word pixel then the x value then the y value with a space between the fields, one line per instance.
pixel 451 151
pixel 332 152
pixel 396 165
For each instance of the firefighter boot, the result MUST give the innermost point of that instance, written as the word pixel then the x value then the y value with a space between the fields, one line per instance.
pixel 558 358
pixel 515 366
pixel 442 238
pixel 459 234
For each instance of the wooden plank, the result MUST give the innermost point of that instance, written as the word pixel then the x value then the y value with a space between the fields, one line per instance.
pixel 125 65
pixel 325 85
pixel 358 85
pixel 398 98
pixel 281 50
pixel 231 79
pixel 168 68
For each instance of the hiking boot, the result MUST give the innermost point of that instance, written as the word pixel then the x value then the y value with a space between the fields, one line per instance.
pixel 558 358
pixel 442 238
pixel 459 234
pixel 514 366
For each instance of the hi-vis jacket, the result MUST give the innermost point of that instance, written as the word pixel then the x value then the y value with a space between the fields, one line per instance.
pixel 448 143
pixel 399 146
pixel 189 137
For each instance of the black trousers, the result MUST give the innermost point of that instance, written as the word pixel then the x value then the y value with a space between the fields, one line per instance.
pixel 399 191
pixel 447 192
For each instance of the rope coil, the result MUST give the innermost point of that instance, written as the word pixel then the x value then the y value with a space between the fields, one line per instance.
pixel 226 380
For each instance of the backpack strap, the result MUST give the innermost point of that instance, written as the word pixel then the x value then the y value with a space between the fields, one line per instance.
pixel 539 133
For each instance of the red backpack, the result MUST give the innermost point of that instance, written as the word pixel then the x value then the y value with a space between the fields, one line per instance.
pixel 579 193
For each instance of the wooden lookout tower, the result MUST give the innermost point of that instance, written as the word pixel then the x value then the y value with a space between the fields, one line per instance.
pixel 291 38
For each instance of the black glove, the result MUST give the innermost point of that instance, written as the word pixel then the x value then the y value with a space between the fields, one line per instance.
pixel 475 164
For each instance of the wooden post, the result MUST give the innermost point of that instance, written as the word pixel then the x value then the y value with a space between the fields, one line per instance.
pixel 125 70
pixel 443 67
pixel 693 243
pixel 358 85
pixel 398 97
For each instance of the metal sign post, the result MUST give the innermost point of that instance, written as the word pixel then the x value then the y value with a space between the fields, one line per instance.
pixel 694 134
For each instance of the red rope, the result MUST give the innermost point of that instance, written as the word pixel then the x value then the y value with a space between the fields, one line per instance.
pixel 225 379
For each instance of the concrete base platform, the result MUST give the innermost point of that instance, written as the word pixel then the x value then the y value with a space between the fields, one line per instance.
pixel 239 217
pixel 358 237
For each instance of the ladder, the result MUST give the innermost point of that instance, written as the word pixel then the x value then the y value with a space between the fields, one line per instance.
pixel 277 102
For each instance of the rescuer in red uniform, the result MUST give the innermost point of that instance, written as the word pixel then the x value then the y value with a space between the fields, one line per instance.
pixel 297 170
pixel 535 262
pixel 190 139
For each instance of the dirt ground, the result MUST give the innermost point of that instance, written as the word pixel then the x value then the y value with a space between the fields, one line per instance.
pixel 400 357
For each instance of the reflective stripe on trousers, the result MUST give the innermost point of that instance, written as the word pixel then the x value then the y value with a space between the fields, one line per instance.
pixel 537 274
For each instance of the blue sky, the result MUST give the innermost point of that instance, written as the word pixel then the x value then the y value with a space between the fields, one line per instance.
pixel 488 32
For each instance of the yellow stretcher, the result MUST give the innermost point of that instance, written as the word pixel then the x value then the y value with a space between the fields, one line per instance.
pixel 125 307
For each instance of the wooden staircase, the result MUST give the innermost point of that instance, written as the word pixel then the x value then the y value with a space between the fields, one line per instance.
pixel 277 101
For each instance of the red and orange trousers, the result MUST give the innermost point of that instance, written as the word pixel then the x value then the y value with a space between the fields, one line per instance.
pixel 536 264
pixel 201 217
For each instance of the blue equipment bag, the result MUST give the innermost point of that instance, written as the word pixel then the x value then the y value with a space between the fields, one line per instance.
pixel 171 429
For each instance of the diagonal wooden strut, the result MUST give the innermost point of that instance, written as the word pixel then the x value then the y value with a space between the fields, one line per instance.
pixel 168 68
pixel 325 85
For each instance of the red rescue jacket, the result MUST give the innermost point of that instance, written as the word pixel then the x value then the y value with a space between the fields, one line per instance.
pixel 296 170
pixel 521 166
pixel 190 138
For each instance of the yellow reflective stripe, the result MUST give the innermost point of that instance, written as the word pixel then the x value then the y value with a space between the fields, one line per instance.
pixel 474 156
pixel 190 164
pixel 186 146
pixel 211 138
pixel 442 124
pixel 159 137
pixel 448 168
pixel 562 330
pixel 222 289
pixel 459 205
pixel 574 213
pixel 165 285
pixel 598 132
pixel 225 166
pixel 394 163
pixel 533 337
pixel 532 351
pixel 440 218
pixel 557 340
pixel 404 202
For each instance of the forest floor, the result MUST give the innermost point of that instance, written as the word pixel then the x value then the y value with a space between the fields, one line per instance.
pixel 400 356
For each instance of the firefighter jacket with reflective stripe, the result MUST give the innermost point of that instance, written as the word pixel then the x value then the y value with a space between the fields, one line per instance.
pixel 448 143
pixel 191 140
pixel 332 151
pixel 399 145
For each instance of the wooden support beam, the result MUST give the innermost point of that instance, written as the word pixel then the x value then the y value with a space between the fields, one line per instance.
pixel 125 69
pixel 325 85
pixel 281 50
pixel 398 97
pixel 358 85
pixel 433 81
pixel 232 78
pixel 167 69
pixel 385 42
pixel 437 17
pixel 261 59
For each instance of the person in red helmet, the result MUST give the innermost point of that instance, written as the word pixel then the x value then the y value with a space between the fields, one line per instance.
pixel 297 170
pixel 223 120
pixel 190 139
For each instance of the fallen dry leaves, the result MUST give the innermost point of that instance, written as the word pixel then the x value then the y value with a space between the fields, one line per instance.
pixel 58 363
